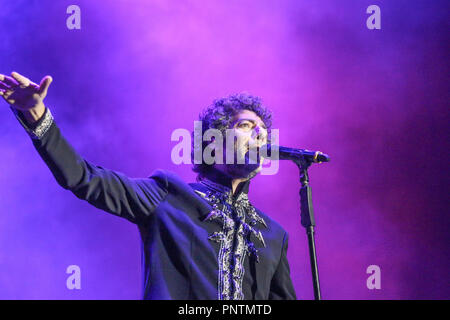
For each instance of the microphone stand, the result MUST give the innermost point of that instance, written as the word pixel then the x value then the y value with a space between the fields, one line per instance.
pixel 307 220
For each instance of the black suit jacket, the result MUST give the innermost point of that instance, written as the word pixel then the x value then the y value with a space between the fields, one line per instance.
pixel 179 259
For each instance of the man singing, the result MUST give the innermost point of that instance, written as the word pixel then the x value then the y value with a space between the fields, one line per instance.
pixel 201 240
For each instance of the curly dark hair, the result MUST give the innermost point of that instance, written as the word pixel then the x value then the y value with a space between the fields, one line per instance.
pixel 219 116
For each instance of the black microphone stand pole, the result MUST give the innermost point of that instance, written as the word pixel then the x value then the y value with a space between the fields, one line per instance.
pixel 307 220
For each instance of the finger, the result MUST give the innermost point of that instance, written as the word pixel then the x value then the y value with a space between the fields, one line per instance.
pixel 43 86
pixel 3 79
pixel 10 81
pixel 7 93
pixel 24 82
pixel 4 86
pixel 34 85
pixel 3 94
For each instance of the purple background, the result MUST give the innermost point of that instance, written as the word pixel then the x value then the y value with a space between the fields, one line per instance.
pixel 375 100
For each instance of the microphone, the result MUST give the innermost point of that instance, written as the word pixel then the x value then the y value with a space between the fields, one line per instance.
pixel 285 153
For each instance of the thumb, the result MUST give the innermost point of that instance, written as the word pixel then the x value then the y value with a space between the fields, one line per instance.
pixel 43 86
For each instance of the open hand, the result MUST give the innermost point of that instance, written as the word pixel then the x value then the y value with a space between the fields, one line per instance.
pixel 23 94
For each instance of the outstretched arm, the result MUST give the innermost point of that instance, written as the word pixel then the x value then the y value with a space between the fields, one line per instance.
pixel 133 199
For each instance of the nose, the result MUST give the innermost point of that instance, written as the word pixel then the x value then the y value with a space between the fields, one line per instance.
pixel 259 135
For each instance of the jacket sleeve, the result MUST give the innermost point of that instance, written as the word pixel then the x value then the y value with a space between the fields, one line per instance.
pixel 111 191
pixel 281 287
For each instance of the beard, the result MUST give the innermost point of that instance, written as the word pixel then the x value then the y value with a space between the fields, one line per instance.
pixel 242 171
pixel 247 170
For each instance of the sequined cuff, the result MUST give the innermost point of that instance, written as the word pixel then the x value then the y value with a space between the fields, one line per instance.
pixel 36 130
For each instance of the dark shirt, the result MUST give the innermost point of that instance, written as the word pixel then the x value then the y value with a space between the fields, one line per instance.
pixel 199 240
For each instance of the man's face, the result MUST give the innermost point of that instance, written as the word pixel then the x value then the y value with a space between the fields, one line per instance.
pixel 251 132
